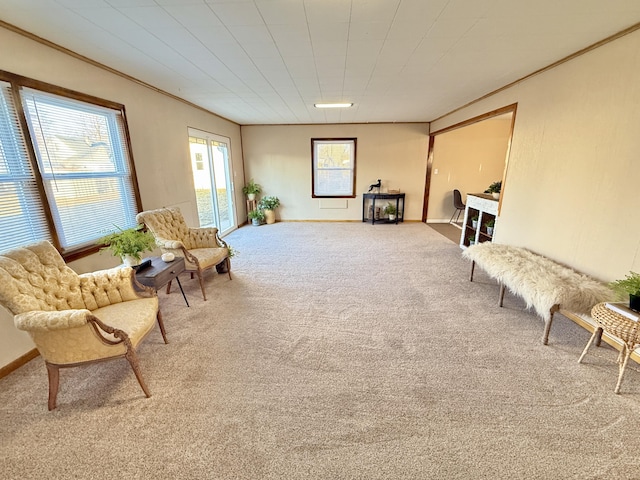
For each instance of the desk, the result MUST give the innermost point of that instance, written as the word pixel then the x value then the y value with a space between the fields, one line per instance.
pixel 159 273
pixel 399 199
pixel 620 327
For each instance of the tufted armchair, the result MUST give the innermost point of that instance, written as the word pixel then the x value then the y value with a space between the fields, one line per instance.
pixel 75 319
pixel 202 248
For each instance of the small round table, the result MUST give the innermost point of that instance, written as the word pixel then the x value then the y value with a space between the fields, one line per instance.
pixel 617 325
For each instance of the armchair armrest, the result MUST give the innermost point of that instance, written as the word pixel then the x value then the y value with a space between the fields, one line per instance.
pixel 166 243
pixel 40 320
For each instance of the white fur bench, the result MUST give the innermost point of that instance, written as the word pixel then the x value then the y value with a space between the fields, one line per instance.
pixel 544 285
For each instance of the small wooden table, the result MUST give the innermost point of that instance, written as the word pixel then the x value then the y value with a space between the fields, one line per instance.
pixel 159 273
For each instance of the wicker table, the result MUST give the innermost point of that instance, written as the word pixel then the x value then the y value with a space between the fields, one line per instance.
pixel 627 330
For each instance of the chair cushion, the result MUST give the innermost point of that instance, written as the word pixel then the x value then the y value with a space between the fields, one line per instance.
pixel 207 257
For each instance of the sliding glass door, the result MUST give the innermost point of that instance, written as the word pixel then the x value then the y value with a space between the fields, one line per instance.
pixel 211 165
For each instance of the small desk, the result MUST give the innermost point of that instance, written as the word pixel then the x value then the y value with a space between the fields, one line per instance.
pixel 159 273
pixel 398 197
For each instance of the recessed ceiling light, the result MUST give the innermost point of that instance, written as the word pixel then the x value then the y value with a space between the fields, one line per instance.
pixel 333 105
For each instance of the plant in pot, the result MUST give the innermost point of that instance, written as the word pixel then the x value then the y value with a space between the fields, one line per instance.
pixel 128 244
pixel 629 285
pixel 474 222
pixel 390 210
pixel 251 189
pixel 256 216
pixel 489 226
pixel 269 205
pixel 494 189
pixel 471 239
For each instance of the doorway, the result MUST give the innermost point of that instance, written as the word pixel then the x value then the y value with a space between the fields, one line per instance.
pixel 211 166
pixel 468 156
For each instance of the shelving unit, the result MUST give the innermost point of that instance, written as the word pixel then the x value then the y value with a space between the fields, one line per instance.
pixel 485 207
pixel 251 205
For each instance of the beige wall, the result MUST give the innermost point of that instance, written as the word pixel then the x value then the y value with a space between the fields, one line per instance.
pixel 572 180
pixel 279 159
pixel 469 159
pixel 158 126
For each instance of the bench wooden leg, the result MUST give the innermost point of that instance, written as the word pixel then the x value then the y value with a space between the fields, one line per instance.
pixel 547 324
pixel 473 266
pixel 626 351
pixel 501 299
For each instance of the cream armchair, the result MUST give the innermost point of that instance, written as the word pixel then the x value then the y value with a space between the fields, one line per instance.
pixel 76 319
pixel 202 248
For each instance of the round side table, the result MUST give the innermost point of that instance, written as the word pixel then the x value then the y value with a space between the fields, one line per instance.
pixel 627 330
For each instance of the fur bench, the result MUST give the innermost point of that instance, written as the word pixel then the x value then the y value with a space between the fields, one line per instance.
pixel 544 285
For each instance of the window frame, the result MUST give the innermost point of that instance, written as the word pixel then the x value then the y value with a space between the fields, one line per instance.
pixel 315 170
pixel 19 82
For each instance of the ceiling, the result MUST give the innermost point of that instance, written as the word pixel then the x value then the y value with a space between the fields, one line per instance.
pixel 269 61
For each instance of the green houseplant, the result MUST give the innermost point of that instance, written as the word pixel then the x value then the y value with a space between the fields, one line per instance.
pixel 489 226
pixel 391 210
pixel 494 189
pixel 629 285
pixel 269 204
pixel 256 216
pixel 128 243
pixel 251 189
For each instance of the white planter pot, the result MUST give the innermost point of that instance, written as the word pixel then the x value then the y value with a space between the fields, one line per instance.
pixel 496 195
pixel 251 196
pixel 489 230
pixel 392 217
pixel 130 261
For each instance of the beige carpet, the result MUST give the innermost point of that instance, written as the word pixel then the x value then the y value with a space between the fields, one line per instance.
pixel 338 351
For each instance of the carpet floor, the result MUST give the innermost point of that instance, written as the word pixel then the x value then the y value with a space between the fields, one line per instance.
pixel 338 351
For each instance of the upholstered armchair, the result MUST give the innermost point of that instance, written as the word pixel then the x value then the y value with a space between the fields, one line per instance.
pixel 76 319
pixel 202 248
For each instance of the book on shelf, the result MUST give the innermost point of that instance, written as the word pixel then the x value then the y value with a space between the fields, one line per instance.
pixel 623 310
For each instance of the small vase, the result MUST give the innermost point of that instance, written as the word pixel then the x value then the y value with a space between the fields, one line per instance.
pixel 495 195
pixel 634 302
pixel 489 230
pixel 255 222
pixel 392 217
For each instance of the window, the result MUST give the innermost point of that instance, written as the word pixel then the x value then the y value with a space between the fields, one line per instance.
pixel 69 178
pixel 334 167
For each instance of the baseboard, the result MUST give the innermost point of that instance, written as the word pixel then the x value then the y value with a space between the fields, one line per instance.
pixel 18 362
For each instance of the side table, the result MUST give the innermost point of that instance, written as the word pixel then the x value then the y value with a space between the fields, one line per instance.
pixel 159 273
pixel 620 327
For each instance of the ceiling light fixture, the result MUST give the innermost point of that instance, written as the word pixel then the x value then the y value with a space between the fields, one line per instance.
pixel 333 105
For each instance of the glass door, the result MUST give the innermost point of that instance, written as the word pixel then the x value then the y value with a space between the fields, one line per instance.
pixel 211 166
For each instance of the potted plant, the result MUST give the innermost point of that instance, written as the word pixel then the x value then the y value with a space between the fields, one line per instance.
pixel 630 285
pixel 269 205
pixel 494 189
pixel 471 239
pixel 489 225
pixel 251 189
pixel 256 216
pixel 390 210
pixel 128 244
pixel 474 222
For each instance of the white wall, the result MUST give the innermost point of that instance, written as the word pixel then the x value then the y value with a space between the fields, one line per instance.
pixel 572 180
pixel 279 159
pixel 158 127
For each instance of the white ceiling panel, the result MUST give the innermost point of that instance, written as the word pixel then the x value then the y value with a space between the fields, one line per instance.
pixel 268 61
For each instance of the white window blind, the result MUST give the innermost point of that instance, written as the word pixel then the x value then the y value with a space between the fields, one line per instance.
pixel 22 216
pixel 84 163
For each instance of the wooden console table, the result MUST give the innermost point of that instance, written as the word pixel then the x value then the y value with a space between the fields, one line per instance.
pixel 399 199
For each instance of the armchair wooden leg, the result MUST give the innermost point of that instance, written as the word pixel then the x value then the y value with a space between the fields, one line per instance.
pixel 132 357
pixel 53 372
pixel 228 262
pixel 204 295
pixel 161 325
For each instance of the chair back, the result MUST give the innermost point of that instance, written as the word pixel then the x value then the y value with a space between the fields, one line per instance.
pixel 166 223
pixel 36 277
pixel 457 200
